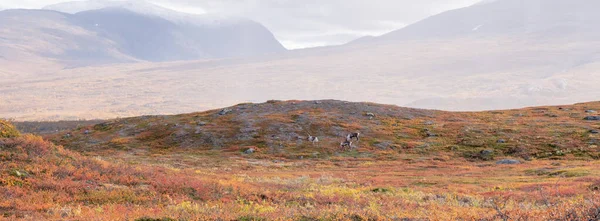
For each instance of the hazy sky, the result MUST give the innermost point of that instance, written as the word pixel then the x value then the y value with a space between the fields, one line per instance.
pixel 307 23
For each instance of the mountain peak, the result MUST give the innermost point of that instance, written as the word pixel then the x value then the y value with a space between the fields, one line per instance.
pixel 493 18
pixel 147 8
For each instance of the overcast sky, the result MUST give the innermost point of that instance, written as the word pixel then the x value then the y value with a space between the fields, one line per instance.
pixel 307 23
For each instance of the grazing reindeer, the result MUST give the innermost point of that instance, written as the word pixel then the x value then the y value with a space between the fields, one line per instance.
pixel 353 135
pixel 346 143
pixel 312 139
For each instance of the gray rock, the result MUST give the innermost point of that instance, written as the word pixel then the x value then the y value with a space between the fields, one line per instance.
pixel 430 134
pixel 225 111
pixel 201 123
pixel 590 111
pixel 501 141
pixel 594 131
pixel 249 151
pixel 486 154
pixel 592 118
pixel 508 161
pixel 429 122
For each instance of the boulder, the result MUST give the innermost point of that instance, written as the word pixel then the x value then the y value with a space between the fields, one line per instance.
pixel 594 131
pixel 225 111
pixel 592 118
pixel 501 141
pixel 250 151
pixel 508 161
pixel 486 154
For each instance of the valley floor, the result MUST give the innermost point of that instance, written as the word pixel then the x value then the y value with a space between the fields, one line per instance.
pixel 207 186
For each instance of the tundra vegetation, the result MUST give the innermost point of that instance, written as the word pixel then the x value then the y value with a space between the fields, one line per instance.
pixel 528 164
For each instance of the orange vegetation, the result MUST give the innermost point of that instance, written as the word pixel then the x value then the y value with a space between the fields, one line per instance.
pixel 409 165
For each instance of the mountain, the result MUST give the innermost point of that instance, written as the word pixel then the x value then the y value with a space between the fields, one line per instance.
pixel 539 19
pixel 118 34
pixel 459 71
pixel 214 35
pixel 44 36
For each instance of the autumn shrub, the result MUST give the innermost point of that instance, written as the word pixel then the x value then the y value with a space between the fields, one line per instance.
pixel 7 130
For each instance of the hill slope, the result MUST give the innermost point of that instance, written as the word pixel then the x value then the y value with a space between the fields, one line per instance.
pixel 280 128
pixel 193 166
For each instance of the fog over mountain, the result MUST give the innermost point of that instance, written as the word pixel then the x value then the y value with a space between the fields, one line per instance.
pixel 534 19
pixel 493 55
pixel 123 33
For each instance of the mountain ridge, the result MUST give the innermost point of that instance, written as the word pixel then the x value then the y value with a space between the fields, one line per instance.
pixel 155 38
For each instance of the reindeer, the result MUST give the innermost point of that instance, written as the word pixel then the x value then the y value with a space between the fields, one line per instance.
pixel 346 143
pixel 353 135
pixel 313 139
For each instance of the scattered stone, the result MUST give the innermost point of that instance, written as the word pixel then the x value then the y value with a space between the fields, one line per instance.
pixel 508 161
pixel 250 151
pixel 486 154
pixel 225 111
pixel 384 145
pixel 201 123
pixel 430 134
pixel 594 131
pixel 317 102
pixel 86 132
pixel 592 118
pixel 590 111
pixel 429 122
pixel 68 135
pixel 501 141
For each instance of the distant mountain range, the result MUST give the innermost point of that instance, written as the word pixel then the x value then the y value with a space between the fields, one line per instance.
pixel 536 19
pixel 492 55
pixel 127 31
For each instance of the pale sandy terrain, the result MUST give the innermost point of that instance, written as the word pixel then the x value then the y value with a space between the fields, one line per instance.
pixel 464 74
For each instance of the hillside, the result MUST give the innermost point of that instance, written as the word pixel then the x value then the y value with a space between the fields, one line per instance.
pixel 42 181
pixel 534 164
pixel 274 128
